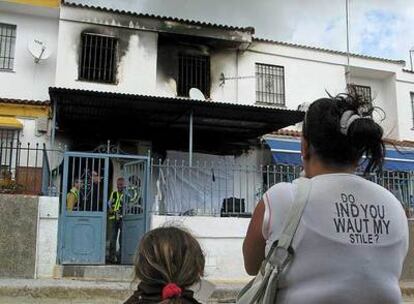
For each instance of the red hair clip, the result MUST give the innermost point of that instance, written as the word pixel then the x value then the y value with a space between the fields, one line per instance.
pixel 171 290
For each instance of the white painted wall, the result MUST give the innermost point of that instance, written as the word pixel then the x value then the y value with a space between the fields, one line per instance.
pixel 405 110
pixel 137 59
pixel 47 233
pixel 29 134
pixel 221 240
pixel 29 80
pixel 383 95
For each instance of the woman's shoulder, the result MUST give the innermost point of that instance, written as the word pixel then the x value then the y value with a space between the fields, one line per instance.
pixel 280 192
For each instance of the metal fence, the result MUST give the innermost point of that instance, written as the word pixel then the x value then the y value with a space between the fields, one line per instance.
pixel 229 189
pixel 213 188
pixel 206 188
pixel 27 168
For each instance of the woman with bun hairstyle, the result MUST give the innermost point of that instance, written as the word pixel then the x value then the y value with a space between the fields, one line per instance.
pixel 352 238
pixel 169 260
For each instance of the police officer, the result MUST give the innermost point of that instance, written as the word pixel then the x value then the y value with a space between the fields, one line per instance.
pixel 72 198
pixel 115 205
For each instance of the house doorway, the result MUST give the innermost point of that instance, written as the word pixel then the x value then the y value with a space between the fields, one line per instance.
pixel 86 187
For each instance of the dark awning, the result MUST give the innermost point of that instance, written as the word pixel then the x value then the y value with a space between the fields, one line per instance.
pixel 165 120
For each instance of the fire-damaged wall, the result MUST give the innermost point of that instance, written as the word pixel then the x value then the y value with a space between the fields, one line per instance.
pixel 134 66
pixel 182 65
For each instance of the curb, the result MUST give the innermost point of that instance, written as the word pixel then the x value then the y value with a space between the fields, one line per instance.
pixel 224 293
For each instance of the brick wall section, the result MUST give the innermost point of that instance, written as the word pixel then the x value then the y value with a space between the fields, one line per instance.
pixel 18 229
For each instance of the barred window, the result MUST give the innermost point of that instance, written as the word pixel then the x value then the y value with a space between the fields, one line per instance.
pixel 412 106
pixel 7 46
pixel 193 72
pixel 270 84
pixel 9 139
pixel 362 91
pixel 98 58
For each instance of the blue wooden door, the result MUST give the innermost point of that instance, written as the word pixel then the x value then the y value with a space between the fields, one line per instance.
pixel 83 208
pixel 134 206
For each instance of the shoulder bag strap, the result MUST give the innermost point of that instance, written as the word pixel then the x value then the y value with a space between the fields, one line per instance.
pixel 279 254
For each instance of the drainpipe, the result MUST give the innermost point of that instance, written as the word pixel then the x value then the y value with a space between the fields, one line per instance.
pixel 237 76
pixel 53 135
pixel 190 140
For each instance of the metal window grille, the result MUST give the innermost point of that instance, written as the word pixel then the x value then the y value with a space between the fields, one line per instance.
pixel 7 46
pixel 270 84
pixel 98 58
pixel 193 72
pixel 362 91
pixel 8 151
pixel 412 106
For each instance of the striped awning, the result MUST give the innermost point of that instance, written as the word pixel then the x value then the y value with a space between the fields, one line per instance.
pixel 287 151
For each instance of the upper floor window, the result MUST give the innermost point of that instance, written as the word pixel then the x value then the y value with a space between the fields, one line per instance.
pixel 7 46
pixel 364 92
pixel 98 58
pixel 193 72
pixel 270 84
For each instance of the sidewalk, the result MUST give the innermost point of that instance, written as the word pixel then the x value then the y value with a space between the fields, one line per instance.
pixel 112 292
pixel 70 289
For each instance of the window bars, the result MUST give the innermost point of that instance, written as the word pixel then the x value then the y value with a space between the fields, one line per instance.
pixel 364 92
pixel 98 58
pixel 193 72
pixel 270 84
pixel 8 142
pixel 7 46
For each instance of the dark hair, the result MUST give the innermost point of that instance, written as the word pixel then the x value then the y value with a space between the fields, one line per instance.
pixel 169 255
pixel 322 131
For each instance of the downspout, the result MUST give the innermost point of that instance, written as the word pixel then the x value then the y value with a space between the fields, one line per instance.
pixel 237 75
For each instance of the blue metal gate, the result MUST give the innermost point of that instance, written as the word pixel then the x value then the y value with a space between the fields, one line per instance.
pixel 83 214
pixel 133 222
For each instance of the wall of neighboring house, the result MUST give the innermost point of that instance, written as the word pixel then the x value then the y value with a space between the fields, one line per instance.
pixel 29 80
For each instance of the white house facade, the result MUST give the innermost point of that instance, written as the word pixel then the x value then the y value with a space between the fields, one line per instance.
pixel 119 83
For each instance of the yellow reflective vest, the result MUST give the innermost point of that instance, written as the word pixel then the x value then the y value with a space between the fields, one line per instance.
pixel 116 201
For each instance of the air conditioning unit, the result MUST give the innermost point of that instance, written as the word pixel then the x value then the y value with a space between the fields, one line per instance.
pixel 41 125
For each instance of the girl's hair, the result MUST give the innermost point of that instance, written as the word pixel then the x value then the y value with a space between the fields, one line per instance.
pixel 322 130
pixel 169 255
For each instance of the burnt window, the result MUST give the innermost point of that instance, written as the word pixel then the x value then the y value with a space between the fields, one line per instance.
pixel 98 58
pixel 7 46
pixel 364 92
pixel 193 72
pixel 270 84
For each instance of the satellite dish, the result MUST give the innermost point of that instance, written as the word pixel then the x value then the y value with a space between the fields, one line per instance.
pixel 39 50
pixel 196 94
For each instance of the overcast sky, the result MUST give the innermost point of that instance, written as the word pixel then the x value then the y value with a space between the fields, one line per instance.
pixel 383 28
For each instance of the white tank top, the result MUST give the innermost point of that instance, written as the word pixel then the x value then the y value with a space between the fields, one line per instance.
pixel 349 246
